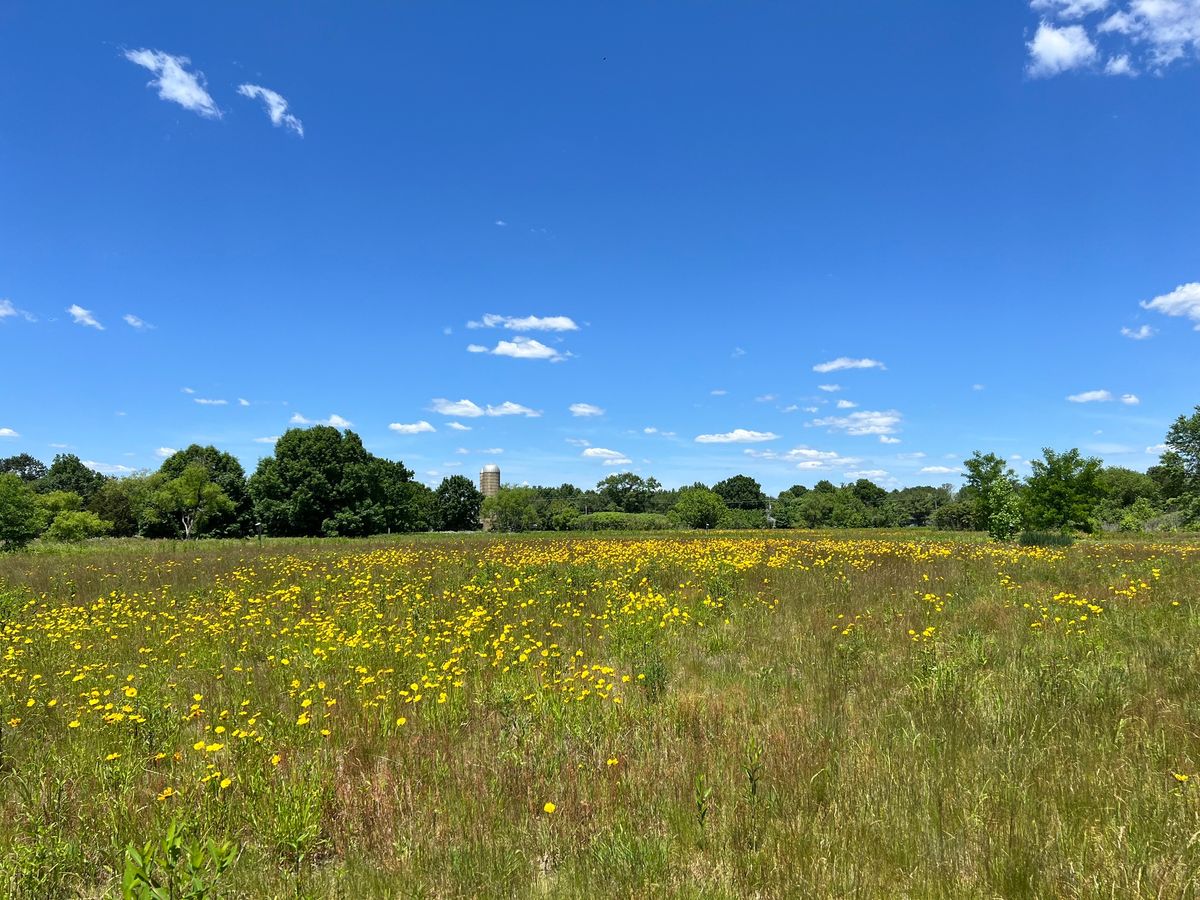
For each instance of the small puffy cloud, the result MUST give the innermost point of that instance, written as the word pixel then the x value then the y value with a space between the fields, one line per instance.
pixel 267 440
pixel 205 401
pixel 335 420
pixel 508 408
pixel 978 387
pixel 275 105
pixel 579 442
pixel 737 353
pixel 1183 301
pixel 1091 397
pixel 806 458
pixel 174 82
pixel 134 322
pixel 421 427
pixel 1055 50
pixel 494 451
pixel 1130 399
pixel 1120 65
pixel 9 311
pixel 242 401
pixel 884 439
pixel 867 473
pixel 8 433
pixel 830 388
pixel 915 455
pixel 765 398
pixel 164 452
pixel 526 323
pixel 585 409
pixel 458 426
pixel 500 223
pixel 737 436
pixel 84 317
pixel 463 451
pixel 609 457
pixel 520 348
pixel 462 408
pixel 940 470
pixel 188 390
pixel 108 468
pixel 719 392
pixel 1138 334
pixel 847 404
pixel 1069 9
pixel 649 429
pixel 845 362
pixel 863 423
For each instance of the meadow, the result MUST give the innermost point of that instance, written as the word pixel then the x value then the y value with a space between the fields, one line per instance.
pixel 802 714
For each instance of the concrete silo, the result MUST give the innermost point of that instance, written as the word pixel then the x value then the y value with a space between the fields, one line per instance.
pixel 489 480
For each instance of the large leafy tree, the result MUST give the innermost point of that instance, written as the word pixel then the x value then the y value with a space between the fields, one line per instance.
pixel 698 507
pixel 226 473
pixel 24 466
pixel 68 473
pixel 627 492
pixel 741 492
pixel 192 499
pixel 21 516
pixel 458 504
pixel 991 490
pixel 1064 491
pixel 513 509
pixel 119 501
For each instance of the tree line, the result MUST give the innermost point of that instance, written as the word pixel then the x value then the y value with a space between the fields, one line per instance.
pixel 321 481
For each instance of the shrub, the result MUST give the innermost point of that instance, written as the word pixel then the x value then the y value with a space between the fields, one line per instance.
pixel 72 526
pixel 742 518
pixel 620 521
pixel 1046 539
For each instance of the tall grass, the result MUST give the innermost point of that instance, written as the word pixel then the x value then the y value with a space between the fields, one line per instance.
pixel 805 715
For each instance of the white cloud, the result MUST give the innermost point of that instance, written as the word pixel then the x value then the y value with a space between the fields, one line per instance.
pixel 737 353
pixel 526 323
pixel 83 317
pixel 806 458
pixel 458 426
pixel 1091 397
pixel 1157 449
pixel 579 442
pixel 1138 334
pixel 267 440
pixel 508 408
pixel 1130 399
pixel 719 392
pixel 1056 50
pixel 649 429
pixel 862 423
pixel 585 409
pixel 204 401
pixel 164 452
pixel 8 310
pixel 108 468
pixel 188 390
pixel 830 388
pixel 134 322
pixel 940 470
pixel 501 223
pixel 847 404
pixel 1165 30
pixel 884 439
pixel 978 387
pixel 765 398
pixel 463 451
pixel 520 348
pixel 867 473
pixel 1069 9
pixel 1119 65
pixel 335 420
pixel 463 408
pixel 1183 301
pixel 175 82
pixel 8 433
pixel 845 362
pixel 275 105
pixel 421 427
pixel 242 401
pixel 737 436
pixel 494 451
pixel 609 457
pixel 916 455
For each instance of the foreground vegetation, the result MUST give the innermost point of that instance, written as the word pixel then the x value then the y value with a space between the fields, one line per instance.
pixel 736 715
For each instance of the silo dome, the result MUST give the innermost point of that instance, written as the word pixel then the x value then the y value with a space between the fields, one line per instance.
pixel 490 467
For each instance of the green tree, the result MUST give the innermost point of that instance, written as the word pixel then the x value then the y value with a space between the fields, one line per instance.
pixel 741 492
pixel 21 518
pixel 24 466
pixel 627 492
pixel 983 490
pixel 192 499
pixel 458 504
pixel 118 501
pixel 225 472
pixel 698 507
pixel 1169 476
pixel 1183 439
pixel 1063 491
pixel 59 501
pixel 512 509
pixel 75 525
pixel 68 473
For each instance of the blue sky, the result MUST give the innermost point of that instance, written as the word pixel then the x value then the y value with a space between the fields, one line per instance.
pixel 669 216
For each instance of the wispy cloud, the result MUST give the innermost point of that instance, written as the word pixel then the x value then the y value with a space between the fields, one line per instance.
pixel 421 427
pixel 175 83
pixel 829 388
pixel 108 468
pixel 718 392
pixel 84 317
pixel 1116 37
pixel 863 423
pixel 520 348
pixel 8 433
pixel 845 362
pixel 275 105
pixel 335 420
pixel 806 458
pixel 585 409
pixel 205 401
pixel 737 436
pixel 609 457
pixel 9 311
pixel 135 322
pixel 242 401
pixel 1183 301
pixel 526 323
pixel 1138 334
pixel 458 426
pixel 847 404
pixel 940 470
pixel 1130 399
pixel 271 439
pixel 468 409
pixel 1092 397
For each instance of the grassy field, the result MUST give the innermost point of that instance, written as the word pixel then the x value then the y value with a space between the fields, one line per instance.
pixel 782 715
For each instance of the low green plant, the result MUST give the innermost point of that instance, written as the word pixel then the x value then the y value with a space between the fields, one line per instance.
pixel 176 867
